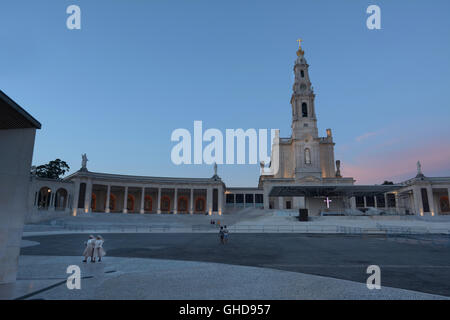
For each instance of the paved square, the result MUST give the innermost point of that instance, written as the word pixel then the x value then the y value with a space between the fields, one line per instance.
pixel 417 263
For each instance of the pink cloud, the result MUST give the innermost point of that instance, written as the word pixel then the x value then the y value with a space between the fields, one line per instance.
pixel 379 165
pixel 366 135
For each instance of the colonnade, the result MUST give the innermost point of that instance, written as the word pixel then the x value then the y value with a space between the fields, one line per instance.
pixel 212 206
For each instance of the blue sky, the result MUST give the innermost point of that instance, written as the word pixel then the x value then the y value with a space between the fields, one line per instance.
pixel 138 69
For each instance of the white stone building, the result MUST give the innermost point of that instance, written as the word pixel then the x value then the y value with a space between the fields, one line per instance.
pixel 307 177
pixel 103 192
pixel 17 133
pixel 48 199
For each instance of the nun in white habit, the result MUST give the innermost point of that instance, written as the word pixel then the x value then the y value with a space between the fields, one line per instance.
pixel 89 250
pixel 99 252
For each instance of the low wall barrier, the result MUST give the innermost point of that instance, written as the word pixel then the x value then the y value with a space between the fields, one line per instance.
pixel 291 228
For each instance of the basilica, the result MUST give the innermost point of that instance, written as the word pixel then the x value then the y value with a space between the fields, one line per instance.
pixel 305 175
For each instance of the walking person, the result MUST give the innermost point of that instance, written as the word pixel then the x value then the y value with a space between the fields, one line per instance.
pixel 221 235
pixel 225 234
pixel 98 248
pixel 89 250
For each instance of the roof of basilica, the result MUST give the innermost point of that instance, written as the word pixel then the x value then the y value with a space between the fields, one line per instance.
pixel 142 179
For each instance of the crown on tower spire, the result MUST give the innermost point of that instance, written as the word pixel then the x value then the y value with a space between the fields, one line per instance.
pixel 300 51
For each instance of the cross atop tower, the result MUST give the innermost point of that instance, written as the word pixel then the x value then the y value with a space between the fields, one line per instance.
pixel 300 51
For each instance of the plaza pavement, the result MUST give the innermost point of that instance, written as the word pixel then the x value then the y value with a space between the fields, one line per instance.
pixel 165 256
pixel 138 278
pixel 417 263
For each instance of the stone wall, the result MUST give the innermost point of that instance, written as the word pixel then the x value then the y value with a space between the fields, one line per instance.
pixel 15 163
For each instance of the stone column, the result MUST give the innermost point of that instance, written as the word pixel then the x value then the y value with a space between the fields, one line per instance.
pixel 36 194
pixel 302 203
pixel 353 203
pixel 431 200
pixel 125 200
pixel 375 201
pixel 142 200
pixel 191 202
pixel 175 201
pixel 397 202
pixel 386 201
pixel 209 200
pixel 55 200
pixel 159 201
pixel 417 194
pixel 448 194
pixel 108 197
pixel 220 200
pixel 365 202
pixel 254 200
pixel 76 195
pixel 88 197
pixel 51 204
pixel 244 200
pixel 280 203
pixel 266 199
pixel 295 203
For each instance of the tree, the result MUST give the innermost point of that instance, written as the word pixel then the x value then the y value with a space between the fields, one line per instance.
pixel 52 170
pixel 387 182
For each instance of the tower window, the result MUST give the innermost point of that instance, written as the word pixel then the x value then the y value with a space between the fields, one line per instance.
pixel 304 110
pixel 302 73
pixel 307 156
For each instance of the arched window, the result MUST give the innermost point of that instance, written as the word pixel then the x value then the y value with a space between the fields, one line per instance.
pixel 200 204
pixel 302 73
pixel 165 204
pixel 304 110
pixel 148 203
pixel 130 203
pixel 45 194
pixel 182 204
pixel 61 199
pixel 307 156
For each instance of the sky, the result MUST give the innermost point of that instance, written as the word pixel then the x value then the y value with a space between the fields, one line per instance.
pixel 138 69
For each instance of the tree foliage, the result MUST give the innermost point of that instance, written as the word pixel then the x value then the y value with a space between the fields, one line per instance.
pixel 52 170
pixel 387 182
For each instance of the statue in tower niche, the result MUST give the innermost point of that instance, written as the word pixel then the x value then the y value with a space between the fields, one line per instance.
pixel 338 169
pixel 84 161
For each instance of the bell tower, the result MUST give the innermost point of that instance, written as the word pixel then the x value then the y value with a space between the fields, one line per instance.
pixel 304 158
pixel 305 137
pixel 304 122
